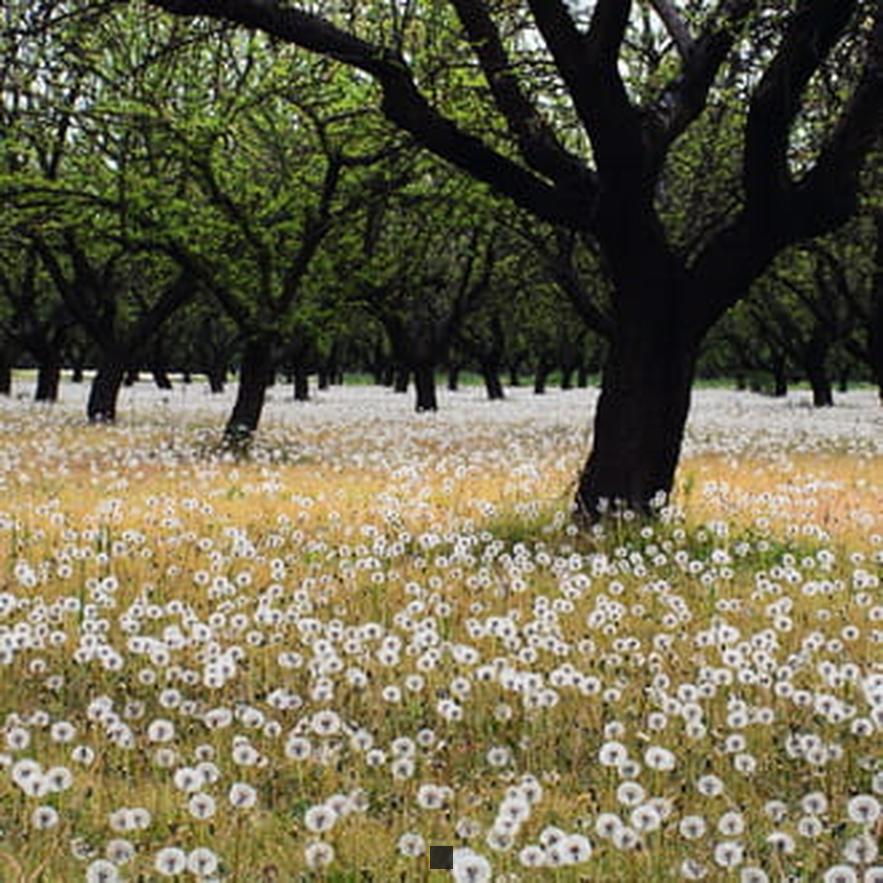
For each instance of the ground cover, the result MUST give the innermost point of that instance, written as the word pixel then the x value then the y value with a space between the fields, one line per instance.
pixel 381 633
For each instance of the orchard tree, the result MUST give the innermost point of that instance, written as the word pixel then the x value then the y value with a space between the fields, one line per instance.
pixel 599 166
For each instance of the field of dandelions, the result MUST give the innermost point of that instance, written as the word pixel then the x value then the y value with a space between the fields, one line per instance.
pixel 379 632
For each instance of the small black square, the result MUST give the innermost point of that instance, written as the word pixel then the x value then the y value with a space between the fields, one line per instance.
pixel 441 858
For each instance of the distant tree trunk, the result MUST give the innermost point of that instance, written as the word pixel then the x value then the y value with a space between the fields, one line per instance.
pixel 817 374
pixel 5 375
pixel 402 376
pixel 741 382
pixel 157 367
pixel 389 375
pixel 217 373
pixel 186 378
pixel 77 373
pixel 301 383
pixel 254 374
pixel 48 378
pixel 323 380
pixel 843 380
pixel 424 383
pixel 105 389
pixel 131 377
pixel 567 377
pixel 514 378
pixel 582 375
pixel 490 372
pixel 876 330
pixel 640 417
pixel 780 377
pixel 540 377
pixel 453 377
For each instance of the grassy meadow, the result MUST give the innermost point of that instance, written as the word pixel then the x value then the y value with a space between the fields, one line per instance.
pixel 380 632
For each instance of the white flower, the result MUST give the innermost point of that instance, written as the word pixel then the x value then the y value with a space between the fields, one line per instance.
pixel 470 867
pixel 318 854
pixel 202 862
pixel 242 795
pixel 840 874
pixel 411 845
pixel 102 871
pixel 320 819
pixel 864 809
pixel 119 850
pixel 170 861
pixel 44 817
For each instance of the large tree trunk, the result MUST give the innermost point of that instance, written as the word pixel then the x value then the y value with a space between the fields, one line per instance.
pixel 875 335
pixel 105 389
pixel 48 378
pixel 254 376
pixel 490 372
pixel 424 382
pixel 640 418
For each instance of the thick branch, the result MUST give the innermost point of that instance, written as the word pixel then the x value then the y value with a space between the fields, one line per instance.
pixel 403 103
pixel 536 140
pixel 812 31
pixel 684 98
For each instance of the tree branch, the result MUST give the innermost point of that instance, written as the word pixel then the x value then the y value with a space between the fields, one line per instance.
pixel 675 26
pixel 536 141
pixel 403 103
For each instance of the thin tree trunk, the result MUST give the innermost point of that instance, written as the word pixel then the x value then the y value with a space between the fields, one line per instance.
pixel 640 418
pixel 254 374
pixel 48 378
pixel 540 377
pixel 217 374
pixel 301 383
pixel 424 382
pixel 323 380
pixel 582 375
pixel 131 377
pixel 780 378
pixel 453 377
pixel 567 377
pixel 5 374
pixel 77 373
pixel 820 383
pixel 843 380
pixel 402 376
pixel 741 382
pixel 105 389
pixel 514 378
pixel 490 372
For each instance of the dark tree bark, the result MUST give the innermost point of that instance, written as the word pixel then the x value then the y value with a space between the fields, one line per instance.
pixel 780 377
pixel 301 383
pixel 741 382
pixel 453 377
pixel 132 376
pixel 104 392
pixel 216 372
pixel 48 378
pixel 817 373
pixel 490 372
pixel 514 377
pixel 875 336
pixel 582 375
pixel 639 422
pixel 567 377
pixel 424 382
pixel 5 374
pixel 541 375
pixel 77 373
pixel 401 379
pixel 254 374
pixel 843 380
